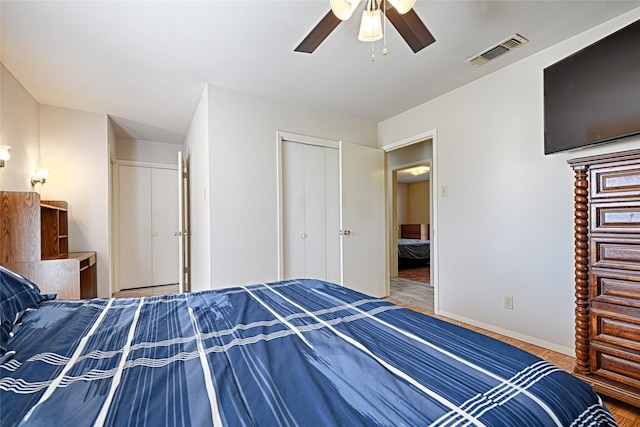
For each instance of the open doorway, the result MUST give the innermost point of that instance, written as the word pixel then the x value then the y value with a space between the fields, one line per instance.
pixel 410 225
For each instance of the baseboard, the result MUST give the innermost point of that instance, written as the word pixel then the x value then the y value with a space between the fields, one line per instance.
pixel 569 351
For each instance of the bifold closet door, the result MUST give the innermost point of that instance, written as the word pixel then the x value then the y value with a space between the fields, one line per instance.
pixel 164 225
pixel 311 219
pixel 148 248
pixel 135 266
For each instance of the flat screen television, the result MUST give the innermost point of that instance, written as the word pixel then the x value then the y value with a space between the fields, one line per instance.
pixel 593 96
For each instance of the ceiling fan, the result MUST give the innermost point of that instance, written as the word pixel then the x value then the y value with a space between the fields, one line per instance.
pixel 399 12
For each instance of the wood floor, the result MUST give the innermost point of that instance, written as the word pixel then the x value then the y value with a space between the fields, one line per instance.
pixel 625 415
pixel 410 292
pixel 413 286
pixel 420 274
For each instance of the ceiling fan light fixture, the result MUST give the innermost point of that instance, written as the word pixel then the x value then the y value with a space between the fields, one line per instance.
pixel 402 6
pixel 343 9
pixel 419 170
pixel 371 24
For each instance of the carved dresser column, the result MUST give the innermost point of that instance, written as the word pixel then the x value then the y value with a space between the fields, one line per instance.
pixel 607 273
pixel 581 235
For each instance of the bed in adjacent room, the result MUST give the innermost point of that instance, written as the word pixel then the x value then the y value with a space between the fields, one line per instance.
pixel 298 352
pixel 414 246
pixel 413 253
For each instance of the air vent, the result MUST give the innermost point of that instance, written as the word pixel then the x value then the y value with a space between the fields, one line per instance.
pixel 493 52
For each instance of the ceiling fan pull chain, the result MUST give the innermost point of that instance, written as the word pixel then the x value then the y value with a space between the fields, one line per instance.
pixel 373 52
pixel 384 29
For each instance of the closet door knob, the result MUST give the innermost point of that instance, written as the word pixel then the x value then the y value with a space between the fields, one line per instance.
pixel 303 236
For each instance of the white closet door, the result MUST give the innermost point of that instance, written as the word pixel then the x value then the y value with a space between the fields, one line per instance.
pixel 363 207
pixel 315 213
pixel 164 223
pixel 332 213
pixel 294 264
pixel 135 248
pixel 310 212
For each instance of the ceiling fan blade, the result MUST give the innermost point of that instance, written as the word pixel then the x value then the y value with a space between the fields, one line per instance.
pixel 411 28
pixel 319 33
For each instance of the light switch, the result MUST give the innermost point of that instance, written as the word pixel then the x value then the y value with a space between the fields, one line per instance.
pixel 444 191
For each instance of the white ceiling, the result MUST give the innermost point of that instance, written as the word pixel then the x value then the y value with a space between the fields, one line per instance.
pixel 145 63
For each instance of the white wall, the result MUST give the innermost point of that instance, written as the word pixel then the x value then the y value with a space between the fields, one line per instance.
pixel 413 202
pixel 74 147
pixel 402 202
pixel 418 200
pixel 196 147
pixel 243 179
pixel 410 155
pixel 147 151
pixel 20 129
pixel 506 227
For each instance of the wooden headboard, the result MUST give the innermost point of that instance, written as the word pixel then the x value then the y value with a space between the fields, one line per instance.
pixel 414 231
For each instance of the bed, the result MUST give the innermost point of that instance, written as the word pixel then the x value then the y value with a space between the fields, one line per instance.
pixel 413 253
pixel 298 352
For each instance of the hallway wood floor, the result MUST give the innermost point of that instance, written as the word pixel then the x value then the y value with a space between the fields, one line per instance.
pixel 420 274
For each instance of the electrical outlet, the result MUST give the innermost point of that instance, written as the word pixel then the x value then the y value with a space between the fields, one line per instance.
pixel 508 302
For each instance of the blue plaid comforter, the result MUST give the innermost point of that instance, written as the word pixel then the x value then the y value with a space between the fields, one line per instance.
pixel 294 353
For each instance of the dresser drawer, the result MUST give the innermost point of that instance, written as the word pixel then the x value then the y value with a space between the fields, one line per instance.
pixel 615 364
pixel 615 252
pixel 615 287
pixel 616 181
pixel 619 326
pixel 615 217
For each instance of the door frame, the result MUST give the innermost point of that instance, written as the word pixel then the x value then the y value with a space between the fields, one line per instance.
pixel 281 137
pixel 433 213
pixel 184 280
pixel 393 208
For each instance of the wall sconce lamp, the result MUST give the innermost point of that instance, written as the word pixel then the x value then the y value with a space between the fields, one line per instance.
pixel 40 176
pixel 4 154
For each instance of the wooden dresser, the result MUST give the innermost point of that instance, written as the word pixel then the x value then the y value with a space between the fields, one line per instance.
pixel 607 273
pixel 34 243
